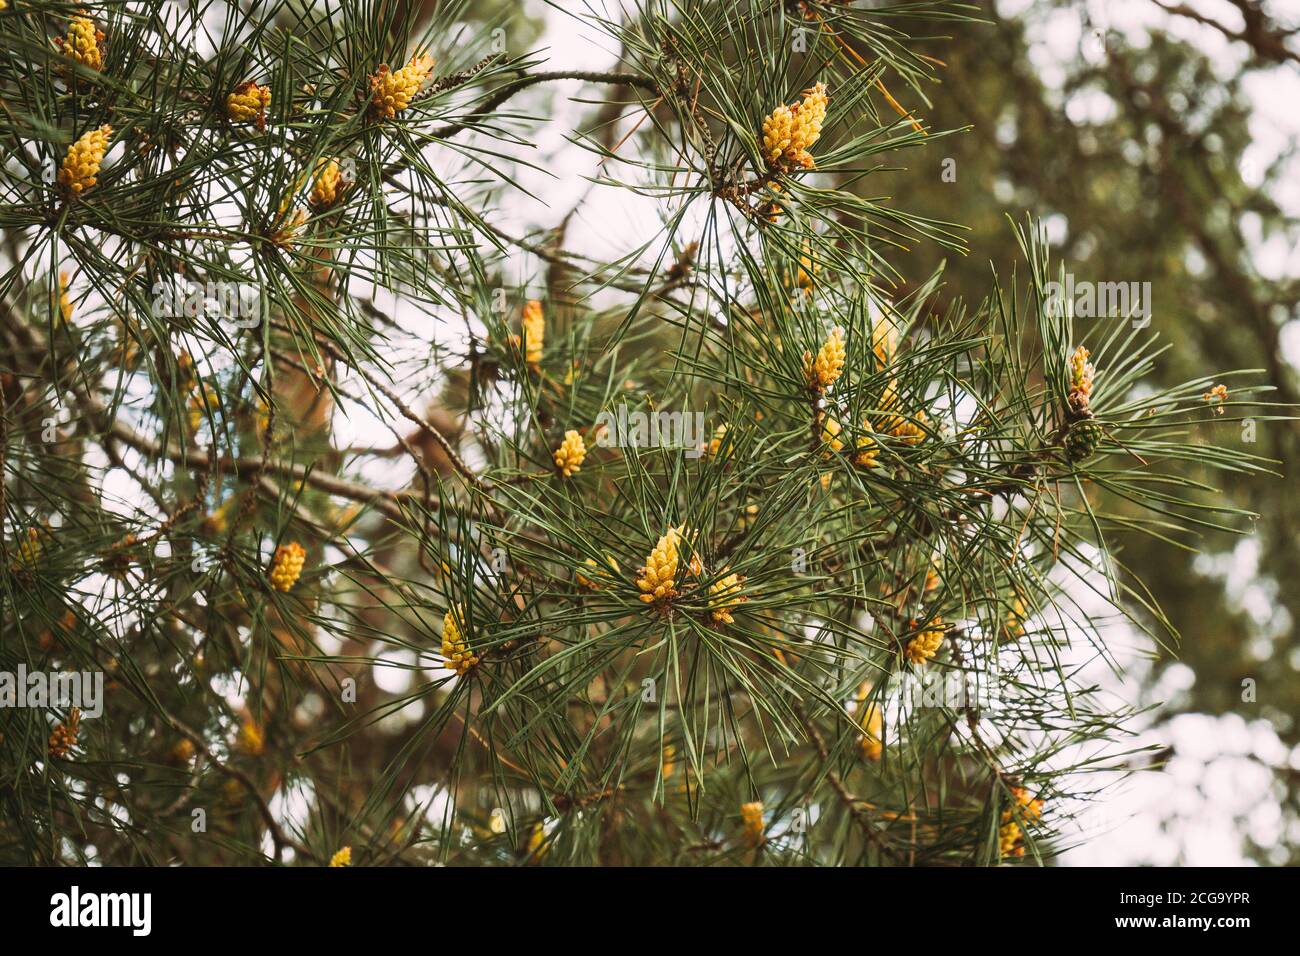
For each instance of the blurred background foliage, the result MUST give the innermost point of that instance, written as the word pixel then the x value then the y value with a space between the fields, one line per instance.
pixel 1133 132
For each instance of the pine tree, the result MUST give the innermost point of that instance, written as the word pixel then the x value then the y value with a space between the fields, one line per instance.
pixel 725 548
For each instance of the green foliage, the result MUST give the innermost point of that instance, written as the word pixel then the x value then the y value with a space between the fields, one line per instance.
pixel 924 516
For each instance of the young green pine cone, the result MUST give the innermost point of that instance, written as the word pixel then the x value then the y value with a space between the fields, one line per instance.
pixel 287 565
pixel 80 167
pixel 1083 439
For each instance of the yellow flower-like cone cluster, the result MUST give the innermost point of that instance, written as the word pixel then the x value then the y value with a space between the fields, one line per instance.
pixel 1010 832
pixel 926 644
pixel 537 843
pixel 669 761
pixel 823 370
pixel 658 577
pixel 751 819
pixel 716 442
pixel 219 520
pixel 872 744
pixel 29 552
pixel 868 449
pixel 249 102
pixel 64 736
pixel 534 329
pixel 910 432
pixel 571 453
pixel 84 43
pixel 65 303
pixel 329 184
pixel 1081 376
pixel 455 647
pixel 790 131
pixel 724 597
pixel 287 565
pixel 1015 621
pixel 392 91
pixel 598 571
pixel 80 167
pixel 830 434
pixel 183 751
pixel 895 425
pixel 1216 396
pixel 342 858
pixel 251 739
pixel 202 403
pixel 808 270
pixel 1009 840
pixel 884 340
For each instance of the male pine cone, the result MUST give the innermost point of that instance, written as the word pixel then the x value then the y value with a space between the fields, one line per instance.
pixel 80 169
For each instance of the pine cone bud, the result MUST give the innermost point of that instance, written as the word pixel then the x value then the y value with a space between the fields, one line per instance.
pixel 657 578
pixel 64 736
pixel 926 644
pixel 571 453
pixel 391 92
pixel 534 329
pixel 249 102
pixel 790 131
pixel 455 646
pixel 724 597
pixel 84 43
pixel 81 165
pixel 287 565
pixel 329 185
pixel 829 363
pixel 342 858
pixel 751 817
